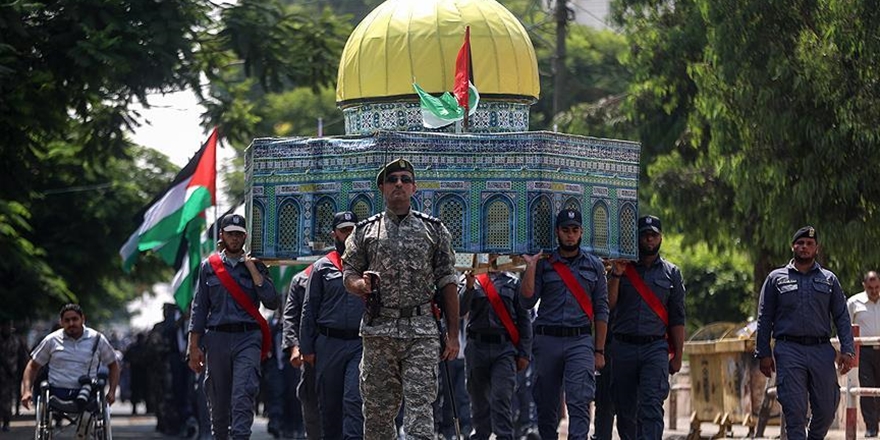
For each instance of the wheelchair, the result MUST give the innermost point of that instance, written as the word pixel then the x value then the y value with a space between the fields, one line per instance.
pixel 88 413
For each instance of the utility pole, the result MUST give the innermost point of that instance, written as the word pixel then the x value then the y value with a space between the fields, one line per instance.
pixel 559 58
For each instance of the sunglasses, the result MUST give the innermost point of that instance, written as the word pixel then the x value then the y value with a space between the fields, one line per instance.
pixel 403 179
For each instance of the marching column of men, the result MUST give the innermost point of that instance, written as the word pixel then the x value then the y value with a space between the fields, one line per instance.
pixel 354 388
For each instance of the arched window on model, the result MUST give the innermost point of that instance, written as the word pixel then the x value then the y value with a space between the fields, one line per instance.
pixel 541 214
pixel 256 235
pixel 498 225
pixel 322 223
pixel 450 210
pixel 288 228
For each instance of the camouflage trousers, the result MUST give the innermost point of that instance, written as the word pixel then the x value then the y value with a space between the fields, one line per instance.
pixel 394 370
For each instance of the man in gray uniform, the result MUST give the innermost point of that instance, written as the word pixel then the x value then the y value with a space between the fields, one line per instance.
pixel 227 322
pixel 648 302
pixel 573 293
pixel 330 340
pixel 305 390
pixel 798 303
pixel 413 256
pixel 499 334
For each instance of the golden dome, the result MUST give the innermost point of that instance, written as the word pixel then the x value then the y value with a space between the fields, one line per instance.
pixel 402 41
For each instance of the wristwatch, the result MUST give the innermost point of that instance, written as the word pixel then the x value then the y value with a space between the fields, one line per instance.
pixel 600 351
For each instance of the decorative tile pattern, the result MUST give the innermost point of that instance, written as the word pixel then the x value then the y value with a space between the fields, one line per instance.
pixel 495 192
pixel 490 117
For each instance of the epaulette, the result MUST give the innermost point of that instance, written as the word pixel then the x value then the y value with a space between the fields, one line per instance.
pixel 369 220
pixel 427 217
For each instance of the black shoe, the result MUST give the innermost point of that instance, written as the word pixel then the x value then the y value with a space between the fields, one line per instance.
pixel 871 432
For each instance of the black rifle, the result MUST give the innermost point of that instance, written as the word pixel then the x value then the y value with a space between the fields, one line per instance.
pixel 449 389
pixel 374 300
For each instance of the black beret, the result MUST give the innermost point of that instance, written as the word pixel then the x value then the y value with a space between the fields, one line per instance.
pixel 806 231
pixel 394 166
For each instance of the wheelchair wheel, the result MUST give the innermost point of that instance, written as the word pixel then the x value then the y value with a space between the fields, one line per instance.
pixel 45 428
pixel 101 419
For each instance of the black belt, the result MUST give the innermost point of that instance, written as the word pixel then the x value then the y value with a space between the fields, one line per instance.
pixel 488 338
pixel 339 333
pixel 405 312
pixel 238 327
pixel 562 332
pixel 804 340
pixel 637 339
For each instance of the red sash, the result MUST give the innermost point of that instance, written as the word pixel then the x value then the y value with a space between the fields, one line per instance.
pixel 651 299
pixel 575 288
pixel 335 259
pixel 243 300
pixel 498 306
pixel 647 294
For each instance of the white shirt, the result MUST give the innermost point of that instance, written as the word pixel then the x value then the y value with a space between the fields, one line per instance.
pixel 69 358
pixel 864 313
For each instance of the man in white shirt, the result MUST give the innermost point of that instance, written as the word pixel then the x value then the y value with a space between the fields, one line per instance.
pixel 72 351
pixel 864 310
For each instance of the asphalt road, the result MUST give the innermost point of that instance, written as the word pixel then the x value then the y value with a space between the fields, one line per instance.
pixel 124 426
pixel 128 427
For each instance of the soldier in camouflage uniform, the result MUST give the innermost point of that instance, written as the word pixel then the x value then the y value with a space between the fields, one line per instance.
pixel 13 358
pixel 413 256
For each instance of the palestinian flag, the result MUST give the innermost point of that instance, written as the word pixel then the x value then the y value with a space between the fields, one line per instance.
pixel 456 106
pixel 191 192
pixel 183 285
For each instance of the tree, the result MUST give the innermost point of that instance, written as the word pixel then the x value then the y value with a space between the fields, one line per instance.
pixel 771 112
pixel 718 283
pixel 68 72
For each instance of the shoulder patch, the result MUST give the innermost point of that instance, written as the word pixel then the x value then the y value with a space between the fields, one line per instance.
pixel 427 217
pixel 368 220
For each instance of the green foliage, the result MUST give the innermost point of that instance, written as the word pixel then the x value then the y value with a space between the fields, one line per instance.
pixel 718 283
pixel 68 72
pixel 595 77
pixel 766 121
pixel 296 113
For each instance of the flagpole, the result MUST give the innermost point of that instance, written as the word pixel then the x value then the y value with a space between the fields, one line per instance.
pixel 467 99
pixel 217 203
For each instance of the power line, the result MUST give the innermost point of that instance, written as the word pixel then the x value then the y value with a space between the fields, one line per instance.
pixel 73 189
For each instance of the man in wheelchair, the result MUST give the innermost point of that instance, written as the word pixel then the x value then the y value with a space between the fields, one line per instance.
pixel 73 354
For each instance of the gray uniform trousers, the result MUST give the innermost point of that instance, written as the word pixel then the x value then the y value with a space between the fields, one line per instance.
pixel 806 373
pixel 564 364
pixel 337 366
pixel 232 381
pixel 491 382
pixel 640 384
pixel 307 393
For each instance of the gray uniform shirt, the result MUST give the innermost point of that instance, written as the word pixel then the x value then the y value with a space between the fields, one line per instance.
pixel 482 317
pixel 802 304
pixel 633 316
pixel 558 305
pixel 327 304
pixel 414 258
pixel 293 309
pixel 214 305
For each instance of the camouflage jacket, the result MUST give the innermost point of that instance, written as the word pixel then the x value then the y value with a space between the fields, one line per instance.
pixel 414 259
